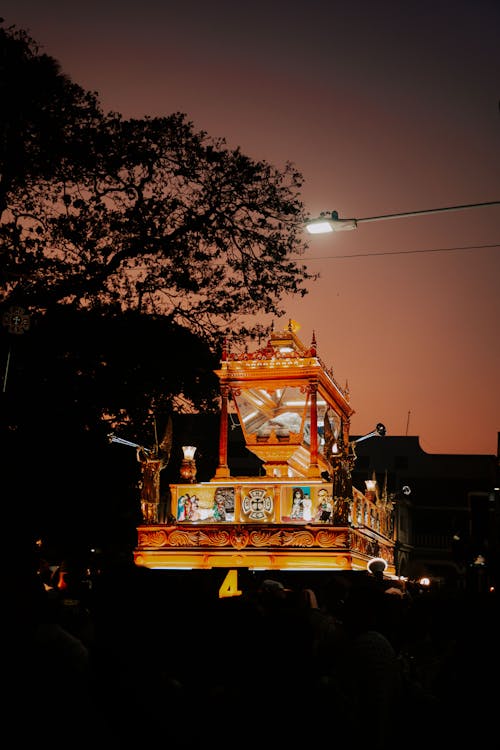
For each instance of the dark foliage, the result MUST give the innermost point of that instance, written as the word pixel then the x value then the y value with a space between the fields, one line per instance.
pixel 134 248
pixel 65 374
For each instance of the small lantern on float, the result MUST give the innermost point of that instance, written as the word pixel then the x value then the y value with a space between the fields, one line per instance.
pixel 188 464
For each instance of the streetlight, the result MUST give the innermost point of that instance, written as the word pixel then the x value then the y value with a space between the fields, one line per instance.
pixel 328 221
pixel 379 430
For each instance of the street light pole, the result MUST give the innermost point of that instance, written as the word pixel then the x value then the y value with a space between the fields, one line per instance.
pixel 330 222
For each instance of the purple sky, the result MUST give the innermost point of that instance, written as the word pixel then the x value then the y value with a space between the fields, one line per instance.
pixel 385 106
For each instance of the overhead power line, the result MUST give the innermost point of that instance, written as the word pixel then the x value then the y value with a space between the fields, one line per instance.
pixel 402 252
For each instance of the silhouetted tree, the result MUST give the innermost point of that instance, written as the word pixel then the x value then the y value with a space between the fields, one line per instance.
pixel 46 120
pixel 74 378
pixel 135 247
pixel 147 214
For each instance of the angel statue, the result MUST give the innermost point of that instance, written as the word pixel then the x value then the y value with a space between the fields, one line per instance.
pixel 153 461
pixel 331 429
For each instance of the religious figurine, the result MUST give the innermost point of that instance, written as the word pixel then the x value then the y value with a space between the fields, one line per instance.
pixel 331 434
pixel 342 482
pixel 324 509
pixel 297 504
pixel 153 461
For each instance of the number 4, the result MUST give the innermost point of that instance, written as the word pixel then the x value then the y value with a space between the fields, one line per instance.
pixel 229 585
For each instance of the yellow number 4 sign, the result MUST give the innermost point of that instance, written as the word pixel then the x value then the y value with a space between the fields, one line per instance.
pixel 229 585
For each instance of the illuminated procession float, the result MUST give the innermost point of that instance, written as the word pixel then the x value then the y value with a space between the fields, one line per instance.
pixel 302 512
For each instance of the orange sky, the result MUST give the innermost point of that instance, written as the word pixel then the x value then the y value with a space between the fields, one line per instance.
pixel 385 107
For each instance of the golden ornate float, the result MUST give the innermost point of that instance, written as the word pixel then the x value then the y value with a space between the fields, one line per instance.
pixel 302 512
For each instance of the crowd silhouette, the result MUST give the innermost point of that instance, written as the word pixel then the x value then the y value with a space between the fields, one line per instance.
pixel 121 655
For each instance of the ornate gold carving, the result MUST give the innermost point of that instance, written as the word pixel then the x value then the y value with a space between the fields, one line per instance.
pixel 298 539
pixel 341 562
pixel 265 538
pixel 153 538
pixel 330 538
pixel 216 538
pixel 157 538
pixel 239 538
pixel 181 538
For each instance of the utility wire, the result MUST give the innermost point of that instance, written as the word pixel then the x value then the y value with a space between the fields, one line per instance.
pixel 400 252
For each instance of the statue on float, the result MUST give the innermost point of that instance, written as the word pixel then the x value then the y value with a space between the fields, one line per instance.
pixel 341 459
pixel 153 461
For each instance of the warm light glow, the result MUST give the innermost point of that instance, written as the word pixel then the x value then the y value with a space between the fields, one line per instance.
pixel 322 224
pixel 250 416
pixel 425 581
pixel 334 224
pixel 189 451
pixel 303 403
pixel 319 227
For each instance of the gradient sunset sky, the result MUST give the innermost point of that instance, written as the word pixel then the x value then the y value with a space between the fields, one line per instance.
pixel 384 106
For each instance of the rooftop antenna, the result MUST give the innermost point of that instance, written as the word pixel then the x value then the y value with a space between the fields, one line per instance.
pixel 407 423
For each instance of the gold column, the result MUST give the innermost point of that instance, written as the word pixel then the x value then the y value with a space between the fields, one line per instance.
pixel 313 470
pixel 223 469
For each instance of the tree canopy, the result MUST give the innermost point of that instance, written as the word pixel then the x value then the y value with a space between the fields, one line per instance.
pixel 127 242
pixel 147 215
pixel 164 222
pixel 45 118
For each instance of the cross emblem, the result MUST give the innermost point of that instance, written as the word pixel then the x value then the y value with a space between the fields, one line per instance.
pixel 16 320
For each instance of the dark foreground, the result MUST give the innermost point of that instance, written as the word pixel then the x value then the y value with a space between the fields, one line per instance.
pixel 128 656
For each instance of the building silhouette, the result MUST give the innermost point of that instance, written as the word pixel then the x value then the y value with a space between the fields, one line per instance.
pixel 447 509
